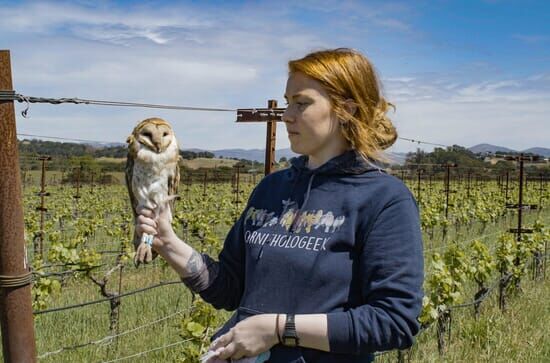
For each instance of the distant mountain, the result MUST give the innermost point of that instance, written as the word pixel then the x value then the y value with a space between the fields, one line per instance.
pixel 252 154
pixel 539 151
pixel 100 145
pixel 488 148
pixel 259 154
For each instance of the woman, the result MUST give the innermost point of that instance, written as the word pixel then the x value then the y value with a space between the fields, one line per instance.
pixel 325 263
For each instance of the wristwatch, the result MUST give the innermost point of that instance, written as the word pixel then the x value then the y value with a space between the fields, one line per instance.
pixel 290 338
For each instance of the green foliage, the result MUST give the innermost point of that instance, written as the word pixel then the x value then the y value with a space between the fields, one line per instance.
pixel 198 327
pixel 42 290
pixel 77 231
pixel 481 263
pixel 443 289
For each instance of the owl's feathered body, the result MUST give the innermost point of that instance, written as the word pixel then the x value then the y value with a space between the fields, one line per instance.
pixel 152 171
pixel 152 174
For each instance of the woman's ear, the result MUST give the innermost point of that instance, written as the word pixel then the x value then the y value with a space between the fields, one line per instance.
pixel 350 106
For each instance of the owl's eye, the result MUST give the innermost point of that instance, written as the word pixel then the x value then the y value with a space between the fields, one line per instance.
pixel 165 134
pixel 147 134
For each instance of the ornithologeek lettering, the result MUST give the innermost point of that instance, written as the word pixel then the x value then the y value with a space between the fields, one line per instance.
pixel 303 242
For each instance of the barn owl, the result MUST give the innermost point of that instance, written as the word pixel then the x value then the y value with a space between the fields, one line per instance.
pixel 152 174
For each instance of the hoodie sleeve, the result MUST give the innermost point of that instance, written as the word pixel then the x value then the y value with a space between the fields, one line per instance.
pixel 391 267
pixel 223 285
pixel 225 289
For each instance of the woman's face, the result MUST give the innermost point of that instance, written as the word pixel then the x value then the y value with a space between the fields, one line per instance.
pixel 313 128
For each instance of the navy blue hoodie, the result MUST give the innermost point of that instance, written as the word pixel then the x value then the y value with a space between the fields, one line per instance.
pixel 342 239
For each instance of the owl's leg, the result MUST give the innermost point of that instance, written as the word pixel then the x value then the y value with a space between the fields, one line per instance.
pixel 144 247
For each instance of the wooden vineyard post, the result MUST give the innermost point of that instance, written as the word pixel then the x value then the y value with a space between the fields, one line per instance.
pixel 447 191
pixel 236 189
pixel 76 197
pixel 271 115
pixel 418 186
pixel 15 300
pixel 204 183
pixel 541 189
pixel 507 185
pixel 520 207
pixel 92 182
pixel 270 141
pixel 468 183
pixel 39 249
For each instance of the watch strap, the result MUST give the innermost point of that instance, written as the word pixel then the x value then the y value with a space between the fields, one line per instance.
pixel 290 337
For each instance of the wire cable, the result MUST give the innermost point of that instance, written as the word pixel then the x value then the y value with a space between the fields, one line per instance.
pixel 147 351
pixel 107 339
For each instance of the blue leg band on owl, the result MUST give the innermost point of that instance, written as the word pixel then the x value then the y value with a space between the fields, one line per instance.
pixel 148 240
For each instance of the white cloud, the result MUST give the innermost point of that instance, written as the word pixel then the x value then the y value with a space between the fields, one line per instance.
pixel 510 112
pixel 109 23
pixel 236 57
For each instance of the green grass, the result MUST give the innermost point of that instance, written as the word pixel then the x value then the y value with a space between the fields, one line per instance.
pixel 518 335
pixel 495 334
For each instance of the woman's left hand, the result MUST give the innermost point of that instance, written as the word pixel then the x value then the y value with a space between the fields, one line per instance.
pixel 248 338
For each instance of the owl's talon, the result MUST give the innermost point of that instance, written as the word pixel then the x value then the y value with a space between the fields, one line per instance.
pixel 144 254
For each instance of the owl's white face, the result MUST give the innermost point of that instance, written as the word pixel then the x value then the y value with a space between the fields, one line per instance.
pixel 156 138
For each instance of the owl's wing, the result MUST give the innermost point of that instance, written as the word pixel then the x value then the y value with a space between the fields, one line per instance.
pixel 129 172
pixel 174 182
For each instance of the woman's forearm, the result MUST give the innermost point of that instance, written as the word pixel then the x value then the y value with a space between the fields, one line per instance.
pixel 183 258
pixel 312 330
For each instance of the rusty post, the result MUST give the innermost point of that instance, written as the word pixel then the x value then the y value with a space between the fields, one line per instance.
pixel 507 186
pixel 270 141
pixel 76 197
pixel 468 183
pixel 540 190
pixel 92 182
pixel 15 302
pixel 78 171
pixel 418 188
pixel 271 115
pixel 448 186
pixel 237 179
pixel 520 197
pixel 39 249
pixel 204 183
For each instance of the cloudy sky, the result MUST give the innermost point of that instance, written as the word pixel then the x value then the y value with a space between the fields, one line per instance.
pixel 460 72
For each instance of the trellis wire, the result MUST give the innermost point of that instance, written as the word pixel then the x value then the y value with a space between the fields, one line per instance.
pixel 129 293
pixel 108 338
pixel 148 351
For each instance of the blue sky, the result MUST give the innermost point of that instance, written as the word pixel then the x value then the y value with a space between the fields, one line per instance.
pixel 459 72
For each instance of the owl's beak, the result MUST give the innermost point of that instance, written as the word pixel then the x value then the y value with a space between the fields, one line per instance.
pixel 157 147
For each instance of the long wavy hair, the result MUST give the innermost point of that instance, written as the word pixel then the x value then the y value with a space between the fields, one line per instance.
pixel 347 74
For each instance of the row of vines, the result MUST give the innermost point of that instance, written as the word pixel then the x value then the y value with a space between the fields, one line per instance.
pixel 82 258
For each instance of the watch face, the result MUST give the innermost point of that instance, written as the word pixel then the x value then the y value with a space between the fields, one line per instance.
pixel 290 341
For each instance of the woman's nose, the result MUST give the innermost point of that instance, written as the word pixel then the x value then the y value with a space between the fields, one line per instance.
pixel 287 115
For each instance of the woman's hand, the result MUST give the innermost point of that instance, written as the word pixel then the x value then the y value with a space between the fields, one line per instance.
pixel 159 226
pixel 249 337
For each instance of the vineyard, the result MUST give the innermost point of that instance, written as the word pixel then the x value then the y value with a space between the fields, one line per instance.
pixel 92 305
